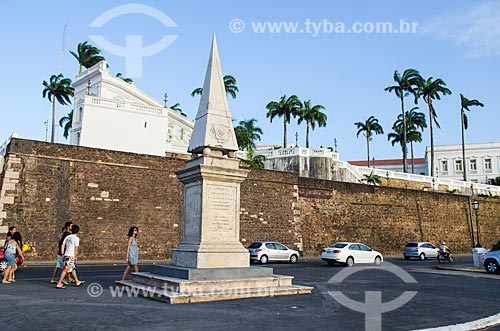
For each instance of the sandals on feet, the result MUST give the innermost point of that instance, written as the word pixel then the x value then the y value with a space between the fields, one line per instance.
pixel 60 287
pixel 81 282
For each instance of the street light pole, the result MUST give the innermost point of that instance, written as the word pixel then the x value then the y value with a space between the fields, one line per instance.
pixel 475 205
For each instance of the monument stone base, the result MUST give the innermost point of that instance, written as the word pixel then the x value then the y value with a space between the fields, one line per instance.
pixel 175 285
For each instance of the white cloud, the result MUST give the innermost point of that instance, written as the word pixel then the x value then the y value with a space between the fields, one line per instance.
pixel 477 29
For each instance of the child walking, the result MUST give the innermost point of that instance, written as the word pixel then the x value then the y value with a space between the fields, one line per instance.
pixel 132 257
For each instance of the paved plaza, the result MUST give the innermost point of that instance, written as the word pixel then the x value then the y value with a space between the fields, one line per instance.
pixel 443 297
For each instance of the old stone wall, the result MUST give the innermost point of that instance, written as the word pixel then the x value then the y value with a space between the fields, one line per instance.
pixel 106 192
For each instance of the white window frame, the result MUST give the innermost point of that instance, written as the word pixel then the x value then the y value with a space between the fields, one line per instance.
pixel 488 165
pixel 473 165
pixel 459 165
pixel 444 166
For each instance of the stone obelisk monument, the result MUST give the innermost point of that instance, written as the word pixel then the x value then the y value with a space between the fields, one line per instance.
pixel 210 263
pixel 212 183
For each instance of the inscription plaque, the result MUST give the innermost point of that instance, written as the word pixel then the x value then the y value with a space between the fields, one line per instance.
pixel 222 205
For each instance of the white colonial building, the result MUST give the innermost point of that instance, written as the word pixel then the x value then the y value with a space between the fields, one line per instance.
pixel 112 114
pixel 482 161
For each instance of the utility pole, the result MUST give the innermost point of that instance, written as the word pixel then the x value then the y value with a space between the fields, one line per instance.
pixel 335 144
pixel 165 98
pixel 296 139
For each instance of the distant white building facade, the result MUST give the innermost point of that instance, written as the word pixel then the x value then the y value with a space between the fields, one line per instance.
pixel 482 161
pixel 110 113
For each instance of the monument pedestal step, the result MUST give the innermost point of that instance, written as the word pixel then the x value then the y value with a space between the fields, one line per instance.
pixel 189 286
pixel 172 296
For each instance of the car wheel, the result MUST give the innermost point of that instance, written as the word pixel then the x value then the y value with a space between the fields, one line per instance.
pixel 421 256
pixel 330 263
pixel 407 257
pixel 349 261
pixel 294 259
pixel 378 260
pixel 491 266
pixel 263 259
pixel 3 265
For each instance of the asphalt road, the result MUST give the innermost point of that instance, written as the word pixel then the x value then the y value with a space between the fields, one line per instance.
pixel 442 298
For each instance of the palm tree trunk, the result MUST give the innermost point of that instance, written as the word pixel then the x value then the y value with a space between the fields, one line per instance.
pixel 307 135
pixel 53 133
pixel 431 119
pixel 368 149
pixel 284 131
pixel 412 159
pixel 81 68
pixel 405 157
pixel 463 145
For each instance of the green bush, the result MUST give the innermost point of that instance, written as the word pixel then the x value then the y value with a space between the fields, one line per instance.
pixel 496 247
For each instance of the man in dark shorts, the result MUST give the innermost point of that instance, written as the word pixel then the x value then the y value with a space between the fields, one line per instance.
pixel 60 262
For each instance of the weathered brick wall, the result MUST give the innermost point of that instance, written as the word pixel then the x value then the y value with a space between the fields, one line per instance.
pixel 269 208
pixel 386 218
pixel 106 192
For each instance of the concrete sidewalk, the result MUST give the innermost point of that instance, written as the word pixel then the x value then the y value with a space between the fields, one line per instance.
pixel 460 267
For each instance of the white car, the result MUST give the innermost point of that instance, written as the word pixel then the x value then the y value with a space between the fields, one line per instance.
pixel 266 251
pixel 350 253
pixel 492 262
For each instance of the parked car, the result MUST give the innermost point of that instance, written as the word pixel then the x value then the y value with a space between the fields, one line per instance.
pixel 492 262
pixel 420 249
pixel 3 261
pixel 265 251
pixel 350 253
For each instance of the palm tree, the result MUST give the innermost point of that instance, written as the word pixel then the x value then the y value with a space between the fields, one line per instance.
pixel 66 122
pixel 285 107
pixel 60 89
pixel 412 135
pixel 430 90
pixel 372 179
pixel 466 103
pixel 414 120
pixel 369 126
pixel 247 133
pixel 176 106
pixel 405 84
pixel 126 79
pixel 229 85
pixel 87 55
pixel 254 161
pixel 312 115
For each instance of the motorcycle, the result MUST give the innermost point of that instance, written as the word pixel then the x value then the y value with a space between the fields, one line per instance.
pixel 445 257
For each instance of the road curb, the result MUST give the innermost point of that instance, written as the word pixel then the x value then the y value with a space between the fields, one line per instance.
pixel 469 326
pixel 467 269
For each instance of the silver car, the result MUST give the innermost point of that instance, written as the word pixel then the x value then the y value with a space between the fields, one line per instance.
pixel 420 249
pixel 265 251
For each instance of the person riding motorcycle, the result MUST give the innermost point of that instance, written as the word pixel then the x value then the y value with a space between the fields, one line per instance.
pixel 445 250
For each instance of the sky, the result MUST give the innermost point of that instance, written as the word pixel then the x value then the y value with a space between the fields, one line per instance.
pixel 330 54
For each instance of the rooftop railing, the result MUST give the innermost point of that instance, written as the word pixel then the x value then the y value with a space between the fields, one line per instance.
pixel 122 105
